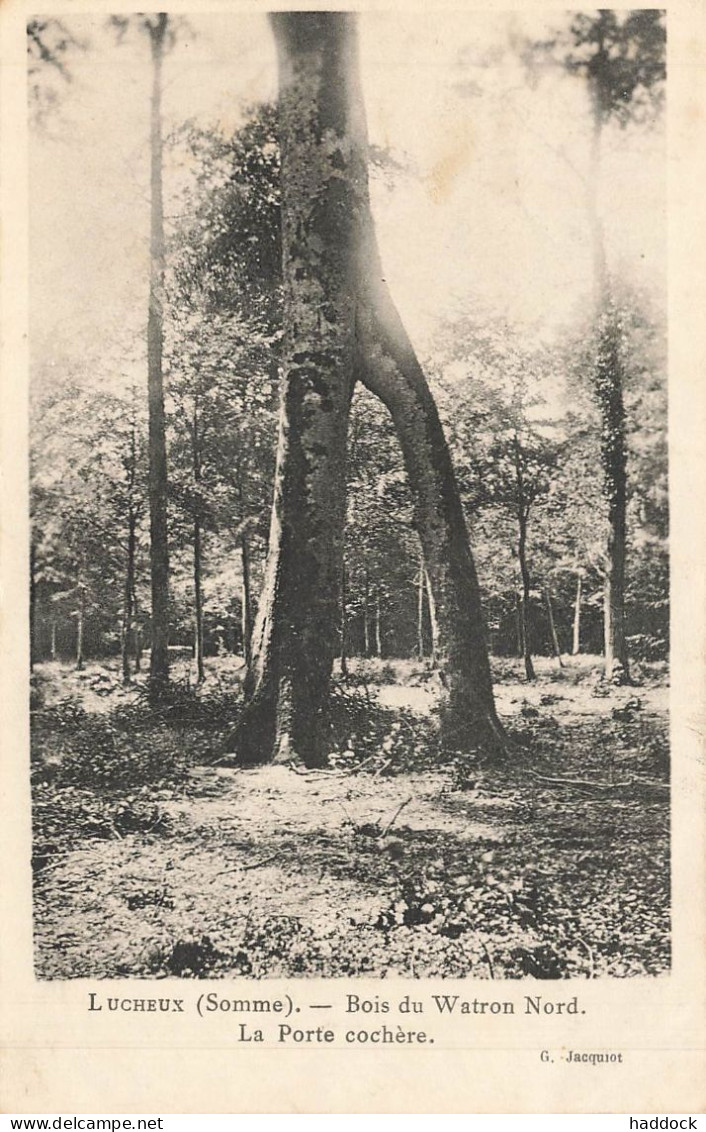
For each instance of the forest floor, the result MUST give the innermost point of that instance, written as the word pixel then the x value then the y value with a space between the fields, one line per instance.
pixel 150 860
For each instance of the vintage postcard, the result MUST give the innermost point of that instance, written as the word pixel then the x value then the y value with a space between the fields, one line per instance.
pixel 352 559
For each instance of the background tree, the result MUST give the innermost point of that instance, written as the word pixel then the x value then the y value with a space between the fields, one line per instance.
pixel 382 547
pixel 507 451
pixel 87 499
pixel 157 29
pixel 160 32
pixel 621 56
pixel 223 347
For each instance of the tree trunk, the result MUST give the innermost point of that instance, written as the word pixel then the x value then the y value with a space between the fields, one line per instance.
pixel 366 613
pixel 138 631
pixel 344 622
pixel 519 623
pixel 159 552
pixel 198 602
pixel 420 609
pixel 32 605
pixel 609 382
pixel 246 619
pixel 576 639
pixel 296 632
pixel 389 367
pixel 433 626
pixel 52 639
pixel 378 633
pixel 80 615
pixel 246 601
pixel 523 513
pixel 524 605
pixel 340 322
pixel 127 599
pixel 608 389
pixel 552 626
pixel 198 589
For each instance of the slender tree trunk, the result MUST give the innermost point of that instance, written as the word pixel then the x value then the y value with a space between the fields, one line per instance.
pixel 576 639
pixel 433 626
pixel 246 600
pixel 80 616
pixel 296 633
pixel 344 621
pixel 52 639
pixel 552 626
pixel 246 618
pixel 138 631
pixel 198 601
pixel 378 632
pixel 159 552
pixel 366 612
pixel 608 388
pixel 32 605
pixel 127 598
pixel 526 590
pixel 613 443
pixel 420 609
pixel 523 512
pixel 198 588
pixel 519 623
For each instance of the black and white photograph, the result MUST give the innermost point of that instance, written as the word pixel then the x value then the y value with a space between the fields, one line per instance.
pixel 349 563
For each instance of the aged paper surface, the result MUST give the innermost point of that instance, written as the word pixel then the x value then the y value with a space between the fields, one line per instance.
pixel 60 1056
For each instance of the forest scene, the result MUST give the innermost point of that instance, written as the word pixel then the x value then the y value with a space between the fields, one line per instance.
pixel 349 562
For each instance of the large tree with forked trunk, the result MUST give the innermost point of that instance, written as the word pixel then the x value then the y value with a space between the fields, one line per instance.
pixel 341 326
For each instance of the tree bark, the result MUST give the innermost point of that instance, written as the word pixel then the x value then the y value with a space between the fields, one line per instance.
pixel 246 600
pixel 433 626
pixel 420 609
pixel 608 389
pixel 576 639
pixel 344 621
pixel 198 603
pixel 519 624
pixel 80 615
pixel 378 633
pixel 389 367
pixel 138 631
pixel 608 383
pixel 524 606
pixel 296 632
pixel 159 551
pixel 198 589
pixel 127 598
pixel 552 626
pixel 246 619
pixel 523 512
pixel 32 605
pixel 366 612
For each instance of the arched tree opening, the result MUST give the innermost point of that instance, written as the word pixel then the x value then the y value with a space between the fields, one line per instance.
pixel 341 326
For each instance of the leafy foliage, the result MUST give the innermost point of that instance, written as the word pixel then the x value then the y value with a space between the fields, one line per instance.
pixel 623 57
